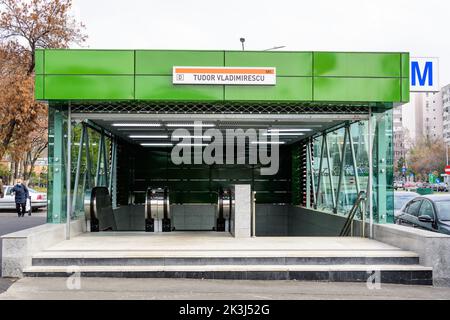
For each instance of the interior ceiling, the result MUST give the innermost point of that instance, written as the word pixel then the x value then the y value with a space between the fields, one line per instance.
pixel 315 124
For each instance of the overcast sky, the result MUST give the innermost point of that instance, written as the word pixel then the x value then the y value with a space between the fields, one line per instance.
pixel 420 27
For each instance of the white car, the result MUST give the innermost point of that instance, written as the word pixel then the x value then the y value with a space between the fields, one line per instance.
pixel 38 199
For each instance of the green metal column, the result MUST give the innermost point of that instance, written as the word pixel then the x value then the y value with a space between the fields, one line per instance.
pixel 57 165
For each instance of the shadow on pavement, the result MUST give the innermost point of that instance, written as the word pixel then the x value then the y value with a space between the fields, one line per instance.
pixel 5 283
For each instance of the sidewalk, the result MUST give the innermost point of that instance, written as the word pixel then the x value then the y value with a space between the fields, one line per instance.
pixel 190 289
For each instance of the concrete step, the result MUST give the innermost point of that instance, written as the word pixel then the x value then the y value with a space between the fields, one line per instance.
pixel 398 274
pixel 155 258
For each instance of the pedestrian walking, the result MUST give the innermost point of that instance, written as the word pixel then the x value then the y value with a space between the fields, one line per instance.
pixel 21 195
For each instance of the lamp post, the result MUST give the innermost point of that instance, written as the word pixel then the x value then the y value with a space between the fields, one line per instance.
pixel 243 41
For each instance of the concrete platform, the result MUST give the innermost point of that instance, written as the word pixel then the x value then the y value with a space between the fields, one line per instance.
pixel 210 255
pixel 213 241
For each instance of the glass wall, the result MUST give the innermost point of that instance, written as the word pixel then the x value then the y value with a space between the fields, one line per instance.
pixel 340 163
pixel 91 165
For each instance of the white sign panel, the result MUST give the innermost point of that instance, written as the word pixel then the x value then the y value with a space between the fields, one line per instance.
pixel 225 75
pixel 424 74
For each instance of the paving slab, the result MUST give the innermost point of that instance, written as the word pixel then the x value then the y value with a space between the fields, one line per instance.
pixel 211 241
pixel 193 289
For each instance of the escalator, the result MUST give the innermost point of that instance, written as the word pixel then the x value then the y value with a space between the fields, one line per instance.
pixel 157 210
pixel 155 215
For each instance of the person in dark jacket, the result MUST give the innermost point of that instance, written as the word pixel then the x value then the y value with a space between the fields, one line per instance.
pixel 21 195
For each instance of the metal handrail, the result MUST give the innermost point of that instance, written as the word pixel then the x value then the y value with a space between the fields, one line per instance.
pixel 95 210
pixel 351 215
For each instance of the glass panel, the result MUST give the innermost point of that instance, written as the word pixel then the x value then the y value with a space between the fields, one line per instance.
pixel 57 138
pixel 443 208
pixel 316 150
pixel 78 191
pixel 426 209
pixel 413 208
pixel 87 171
pixel 383 168
pixel 359 132
pixel 348 193
pixel 325 198
pixel 382 153
pixel 335 140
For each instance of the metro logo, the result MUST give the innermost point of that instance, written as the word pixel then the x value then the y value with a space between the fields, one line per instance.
pixel 424 75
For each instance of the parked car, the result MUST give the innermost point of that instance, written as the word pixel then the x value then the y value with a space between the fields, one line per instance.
pixel 401 198
pixel 419 184
pixel 431 212
pixel 442 187
pixel 409 185
pixel 398 185
pixel 38 199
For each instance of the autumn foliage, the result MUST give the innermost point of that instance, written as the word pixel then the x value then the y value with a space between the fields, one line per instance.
pixel 27 25
pixel 427 156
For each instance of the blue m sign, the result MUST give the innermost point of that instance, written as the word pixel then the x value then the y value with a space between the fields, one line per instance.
pixel 424 75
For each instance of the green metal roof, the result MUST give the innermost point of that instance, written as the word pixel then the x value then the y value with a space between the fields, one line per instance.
pixel 146 75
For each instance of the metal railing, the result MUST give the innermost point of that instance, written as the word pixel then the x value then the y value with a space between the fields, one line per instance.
pixel 358 205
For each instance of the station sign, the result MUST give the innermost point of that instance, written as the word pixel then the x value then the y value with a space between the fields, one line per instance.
pixel 424 75
pixel 251 76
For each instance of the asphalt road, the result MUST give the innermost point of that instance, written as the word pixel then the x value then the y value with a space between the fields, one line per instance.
pixel 9 223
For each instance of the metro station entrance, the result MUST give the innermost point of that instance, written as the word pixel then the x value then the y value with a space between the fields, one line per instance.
pixel 125 179
pixel 314 147
pixel 221 165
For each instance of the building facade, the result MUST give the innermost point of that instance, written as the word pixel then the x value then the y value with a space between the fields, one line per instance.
pixel 400 138
pixel 445 94
pixel 432 116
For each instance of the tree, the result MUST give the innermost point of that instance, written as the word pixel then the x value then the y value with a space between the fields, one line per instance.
pixel 33 147
pixel 5 173
pixel 27 25
pixel 41 24
pixel 427 156
pixel 17 108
